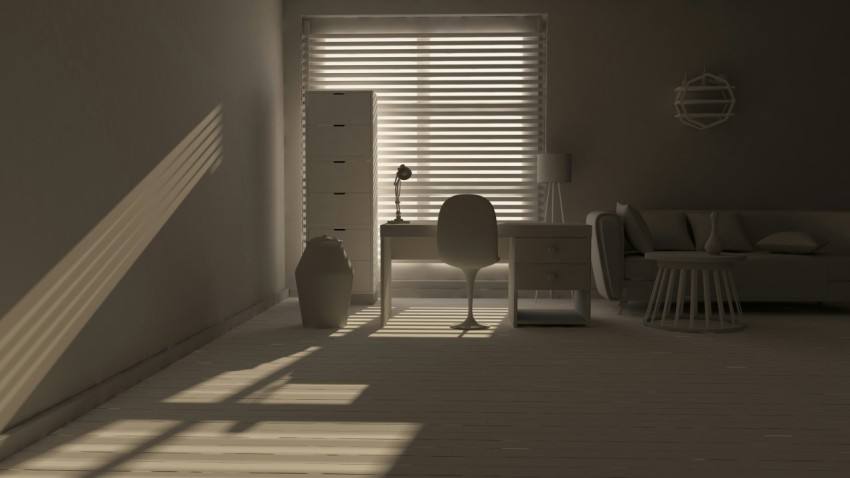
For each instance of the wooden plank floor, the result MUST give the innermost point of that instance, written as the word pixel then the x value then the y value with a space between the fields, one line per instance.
pixel 418 399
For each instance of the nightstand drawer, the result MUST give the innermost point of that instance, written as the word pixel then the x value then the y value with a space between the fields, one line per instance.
pixel 575 250
pixel 330 209
pixel 340 140
pixel 350 176
pixel 553 276
pixel 350 107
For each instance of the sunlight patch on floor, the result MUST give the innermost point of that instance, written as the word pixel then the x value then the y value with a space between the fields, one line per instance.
pixel 281 447
pixel 358 319
pixel 435 322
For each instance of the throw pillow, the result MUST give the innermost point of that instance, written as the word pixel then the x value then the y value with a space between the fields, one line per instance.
pixel 730 229
pixel 669 231
pixel 792 242
pixel 636 229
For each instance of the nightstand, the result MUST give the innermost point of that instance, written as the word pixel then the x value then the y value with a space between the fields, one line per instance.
pixel 549 257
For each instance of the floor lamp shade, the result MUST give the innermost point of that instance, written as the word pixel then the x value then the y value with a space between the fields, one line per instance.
pixel 554 168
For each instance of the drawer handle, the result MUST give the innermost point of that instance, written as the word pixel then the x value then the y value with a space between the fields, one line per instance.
pixel 551 277
pixel 339 126
pixel 552 250
pixel 339 229
pixel 339 194
pixel 339 162
pixel 336 93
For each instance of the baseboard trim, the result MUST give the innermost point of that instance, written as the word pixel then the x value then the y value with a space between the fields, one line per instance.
pixel 24 434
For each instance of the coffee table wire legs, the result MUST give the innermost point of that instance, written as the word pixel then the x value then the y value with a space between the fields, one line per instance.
pixel 694 298
pixel 670 279
pixel 653 296
pixel 706 288
pixel 727 317
pixel 680 297
pixel 719 295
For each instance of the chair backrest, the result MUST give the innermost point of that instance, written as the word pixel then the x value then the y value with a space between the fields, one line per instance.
pixel 467 234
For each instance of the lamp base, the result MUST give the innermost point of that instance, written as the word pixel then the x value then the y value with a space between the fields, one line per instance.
pixel 398 221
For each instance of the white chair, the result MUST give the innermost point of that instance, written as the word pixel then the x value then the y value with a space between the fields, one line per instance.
pixel 468 238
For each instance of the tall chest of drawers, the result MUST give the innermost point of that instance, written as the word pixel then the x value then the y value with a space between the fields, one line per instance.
pixel 341 180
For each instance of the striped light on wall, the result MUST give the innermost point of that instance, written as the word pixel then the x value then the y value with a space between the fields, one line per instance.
pixel 39 328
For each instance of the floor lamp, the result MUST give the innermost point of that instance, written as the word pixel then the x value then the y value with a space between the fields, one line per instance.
pixel 552 170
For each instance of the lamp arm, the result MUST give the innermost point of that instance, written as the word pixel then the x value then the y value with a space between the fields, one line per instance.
pixel 397 184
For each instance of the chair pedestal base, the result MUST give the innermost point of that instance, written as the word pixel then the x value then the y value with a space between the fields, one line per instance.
pixel 470 324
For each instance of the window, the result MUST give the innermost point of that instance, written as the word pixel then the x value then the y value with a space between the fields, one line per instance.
pixel 460 101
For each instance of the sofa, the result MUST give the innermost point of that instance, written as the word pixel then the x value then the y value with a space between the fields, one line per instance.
pixel 621 272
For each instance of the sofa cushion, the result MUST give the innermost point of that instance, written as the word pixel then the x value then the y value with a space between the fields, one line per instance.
pixel 669 230
pixel 792 242
pixel 636 229
pixel 765 275
pixel 769 276
pixel 839 266
pixel 730 231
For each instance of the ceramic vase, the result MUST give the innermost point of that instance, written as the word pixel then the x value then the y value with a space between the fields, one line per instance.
pixel 712 245
pixel 324 278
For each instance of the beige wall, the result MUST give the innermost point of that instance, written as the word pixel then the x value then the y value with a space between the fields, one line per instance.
pixel 613 65
pixel 93 94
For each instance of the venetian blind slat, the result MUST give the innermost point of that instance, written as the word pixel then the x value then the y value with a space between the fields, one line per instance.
pixel 463 110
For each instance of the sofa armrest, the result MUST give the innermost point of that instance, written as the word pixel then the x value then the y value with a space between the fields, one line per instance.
pixel 607 253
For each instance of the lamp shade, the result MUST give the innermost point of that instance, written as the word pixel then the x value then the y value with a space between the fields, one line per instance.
pixel 554 168
pixel 404 173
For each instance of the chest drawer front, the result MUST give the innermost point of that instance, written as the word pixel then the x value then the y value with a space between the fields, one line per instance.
pixel 340 140
pixel 553 276
pixel 327 107
pixel 575 250
pixel 339 176
pixel 339 209
pixel 356 242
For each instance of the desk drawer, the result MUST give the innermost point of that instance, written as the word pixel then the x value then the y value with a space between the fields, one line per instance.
pixel 574 250
pixel 553 276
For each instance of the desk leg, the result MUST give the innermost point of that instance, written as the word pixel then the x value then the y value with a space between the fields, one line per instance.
pixel 386 280
pixel 512 295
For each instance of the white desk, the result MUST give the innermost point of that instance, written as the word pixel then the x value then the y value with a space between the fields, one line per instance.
pixel 540 257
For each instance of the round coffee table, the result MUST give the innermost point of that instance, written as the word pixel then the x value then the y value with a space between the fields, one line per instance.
pixel 685 268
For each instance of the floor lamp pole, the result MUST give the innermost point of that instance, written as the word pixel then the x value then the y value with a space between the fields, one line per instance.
pixel 550 203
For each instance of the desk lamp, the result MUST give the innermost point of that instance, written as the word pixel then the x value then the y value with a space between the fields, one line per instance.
pixel 552 170
pixel 403 174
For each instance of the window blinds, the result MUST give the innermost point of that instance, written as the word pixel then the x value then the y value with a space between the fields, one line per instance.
pixel 459 100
